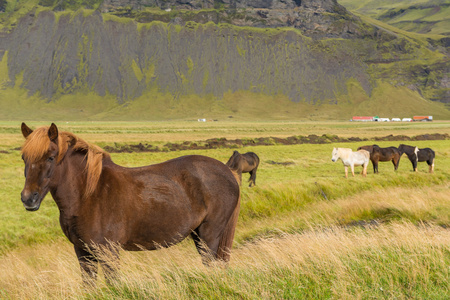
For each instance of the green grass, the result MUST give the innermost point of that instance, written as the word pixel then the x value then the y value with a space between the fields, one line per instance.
pixel 381 236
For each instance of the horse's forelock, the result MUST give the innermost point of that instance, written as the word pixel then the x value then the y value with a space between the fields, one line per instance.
pixel 36 144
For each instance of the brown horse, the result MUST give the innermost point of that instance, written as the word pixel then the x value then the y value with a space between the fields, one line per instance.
pixel 382 154
pixel 137 208
pixel 416 155
pixel 243 163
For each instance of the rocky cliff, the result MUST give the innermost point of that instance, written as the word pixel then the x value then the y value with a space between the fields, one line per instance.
pixel 307 50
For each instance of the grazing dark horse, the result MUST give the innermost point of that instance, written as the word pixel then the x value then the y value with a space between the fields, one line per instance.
pixel 243 163
pixel 382 154
pixel 418 155
pixel 149 207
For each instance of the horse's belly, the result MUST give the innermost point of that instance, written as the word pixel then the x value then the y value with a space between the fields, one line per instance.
pixel 164 221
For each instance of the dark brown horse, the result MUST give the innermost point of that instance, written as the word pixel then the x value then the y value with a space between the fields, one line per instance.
pixel 243 163
pixel 382 154
pixel 137 208
pixel 418 155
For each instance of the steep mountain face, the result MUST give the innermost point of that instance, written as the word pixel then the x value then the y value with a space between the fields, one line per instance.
pixel 201 51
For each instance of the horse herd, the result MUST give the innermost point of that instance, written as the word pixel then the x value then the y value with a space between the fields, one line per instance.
pixel 375 154
pixel 145 208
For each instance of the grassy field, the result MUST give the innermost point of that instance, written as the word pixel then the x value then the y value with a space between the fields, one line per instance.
pixel 303 232
pixel 421 16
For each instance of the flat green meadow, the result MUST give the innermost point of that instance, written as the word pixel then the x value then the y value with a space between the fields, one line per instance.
pixel 304 231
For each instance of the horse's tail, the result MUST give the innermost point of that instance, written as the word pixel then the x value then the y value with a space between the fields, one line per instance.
pixel 226 241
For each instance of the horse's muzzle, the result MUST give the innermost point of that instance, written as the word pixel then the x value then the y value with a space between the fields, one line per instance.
pixel 30 201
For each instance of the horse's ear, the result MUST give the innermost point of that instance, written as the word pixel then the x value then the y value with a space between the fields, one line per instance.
pixel 26 131
pixel 53 132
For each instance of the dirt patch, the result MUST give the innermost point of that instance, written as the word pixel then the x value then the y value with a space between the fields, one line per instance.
pixel 263 141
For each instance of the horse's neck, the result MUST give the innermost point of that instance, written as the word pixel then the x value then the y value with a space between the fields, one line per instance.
pixel 345 155
pixel 235 163
pixel 68 183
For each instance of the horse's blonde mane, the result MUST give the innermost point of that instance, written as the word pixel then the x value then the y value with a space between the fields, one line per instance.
pixel 38 142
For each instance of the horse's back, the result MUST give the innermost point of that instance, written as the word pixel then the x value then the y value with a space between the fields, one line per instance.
pixel 201 169
pixel 363 154
pixel 251 158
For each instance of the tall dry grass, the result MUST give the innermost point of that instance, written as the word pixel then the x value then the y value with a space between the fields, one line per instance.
pixel 374 206
pixel 400 261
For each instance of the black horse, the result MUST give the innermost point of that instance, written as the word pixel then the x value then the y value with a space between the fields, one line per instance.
pixel 242 163
pixel 417 155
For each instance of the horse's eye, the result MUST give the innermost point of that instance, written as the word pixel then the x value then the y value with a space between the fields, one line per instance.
pixel 51 158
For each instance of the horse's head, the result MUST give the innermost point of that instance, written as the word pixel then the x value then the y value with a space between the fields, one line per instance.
pixel 39 153
pixel 335 154
pixel 402 148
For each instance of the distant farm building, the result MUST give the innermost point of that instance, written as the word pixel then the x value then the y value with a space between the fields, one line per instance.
pixel 362 119
pixel 423 118
pixel 383 120
pixel 378 119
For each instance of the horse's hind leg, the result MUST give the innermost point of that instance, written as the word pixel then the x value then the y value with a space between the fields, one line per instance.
pixel 214 239
pixel 395 161
pixel 252 177
pixel 430 165
pixel 364 172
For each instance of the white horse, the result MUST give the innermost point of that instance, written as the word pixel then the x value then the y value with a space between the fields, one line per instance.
pixel 352 159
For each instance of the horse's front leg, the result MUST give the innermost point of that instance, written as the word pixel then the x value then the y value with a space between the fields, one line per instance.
pixel 346 171
pixel 352 166
pixel 414 164
pixel 88 265
pixel 375 166
pixel 109 260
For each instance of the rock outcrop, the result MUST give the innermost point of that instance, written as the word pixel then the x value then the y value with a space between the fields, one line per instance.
pixel 307 50
pixel 318 18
